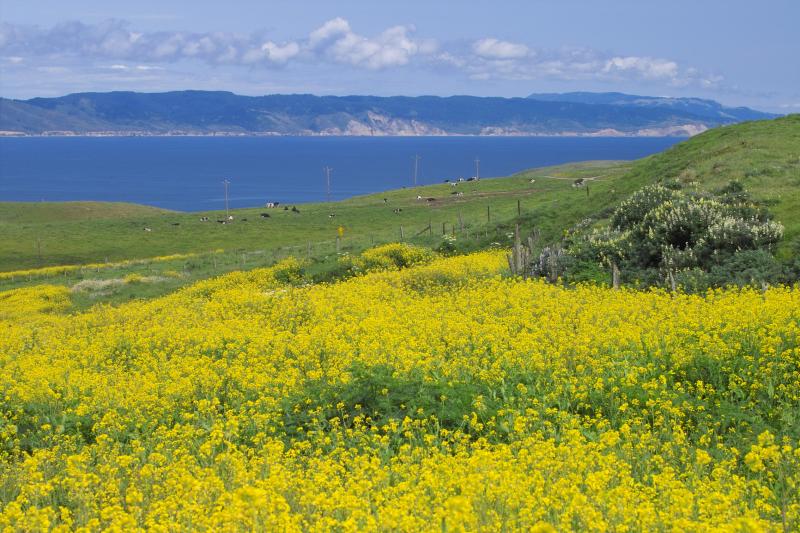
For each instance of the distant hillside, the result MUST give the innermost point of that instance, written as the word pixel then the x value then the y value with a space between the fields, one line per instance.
pixel 203 112
pixel 707 109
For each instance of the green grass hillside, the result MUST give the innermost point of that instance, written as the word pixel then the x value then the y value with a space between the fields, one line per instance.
pixel 34 235
pixel 763 155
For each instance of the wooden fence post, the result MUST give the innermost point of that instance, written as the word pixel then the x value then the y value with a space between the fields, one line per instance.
pixel 614 275
pixel 402 235
pixel 338 244
pixel 519 208
pixel 488 214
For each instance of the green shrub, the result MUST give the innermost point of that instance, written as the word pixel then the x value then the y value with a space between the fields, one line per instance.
pixel 703 240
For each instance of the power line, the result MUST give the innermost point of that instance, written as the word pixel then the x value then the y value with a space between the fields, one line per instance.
pixel 416 159
pixel 227 210
pixel 327 171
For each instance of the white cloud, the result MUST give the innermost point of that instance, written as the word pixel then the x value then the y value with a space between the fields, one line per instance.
pixel 492 58
pixel 333 28
pixel 334 42
pixel 395 46
pixel 495 49
pixel 647 67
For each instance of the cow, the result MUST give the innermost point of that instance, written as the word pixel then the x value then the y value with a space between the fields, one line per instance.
pixel 264 215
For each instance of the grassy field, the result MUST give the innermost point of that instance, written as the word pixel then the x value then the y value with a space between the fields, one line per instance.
pixel 37 235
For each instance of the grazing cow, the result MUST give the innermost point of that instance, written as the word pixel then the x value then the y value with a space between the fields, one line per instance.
pixel 532 181
pixel 176 223
pixel 294 209
pixel 419 197
pixel 332 215
pixel 398 210
pixel 264 215
pixel 230 217
pixel 473 178
pixel 203 219
pixel 430 199
pixel 453 184
pixel 147 229
pixel 459 193
pixel 222 221
pixel 578 183
pixel 244 220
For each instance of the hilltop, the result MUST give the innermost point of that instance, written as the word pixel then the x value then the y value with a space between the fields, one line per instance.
pixel 764 156
pixel 210 112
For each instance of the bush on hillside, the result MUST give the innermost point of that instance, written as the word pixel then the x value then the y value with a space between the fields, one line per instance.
pixel 664 235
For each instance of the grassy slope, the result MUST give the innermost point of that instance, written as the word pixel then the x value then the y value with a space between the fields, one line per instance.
pixel 68 235
pixel 762 155
pixel 58 212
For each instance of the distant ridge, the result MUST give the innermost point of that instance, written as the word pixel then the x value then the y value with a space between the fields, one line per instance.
pixel 225 113
pixel 708 109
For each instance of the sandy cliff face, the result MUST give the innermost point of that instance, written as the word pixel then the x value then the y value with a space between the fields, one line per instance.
pixel 382 125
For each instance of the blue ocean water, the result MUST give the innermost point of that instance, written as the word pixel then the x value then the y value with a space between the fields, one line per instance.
pixel 186 173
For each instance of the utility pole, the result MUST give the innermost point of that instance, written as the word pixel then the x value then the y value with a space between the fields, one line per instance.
pixel 477 168
pixel 416 158
pixel 327 171
pixel 227 210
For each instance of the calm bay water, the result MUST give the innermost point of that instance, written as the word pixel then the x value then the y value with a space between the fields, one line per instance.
pixel 186 173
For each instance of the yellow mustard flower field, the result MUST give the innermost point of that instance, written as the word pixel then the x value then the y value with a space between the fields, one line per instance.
pixel 444 396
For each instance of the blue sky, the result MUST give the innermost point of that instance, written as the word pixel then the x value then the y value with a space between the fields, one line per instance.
pixel 737 52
